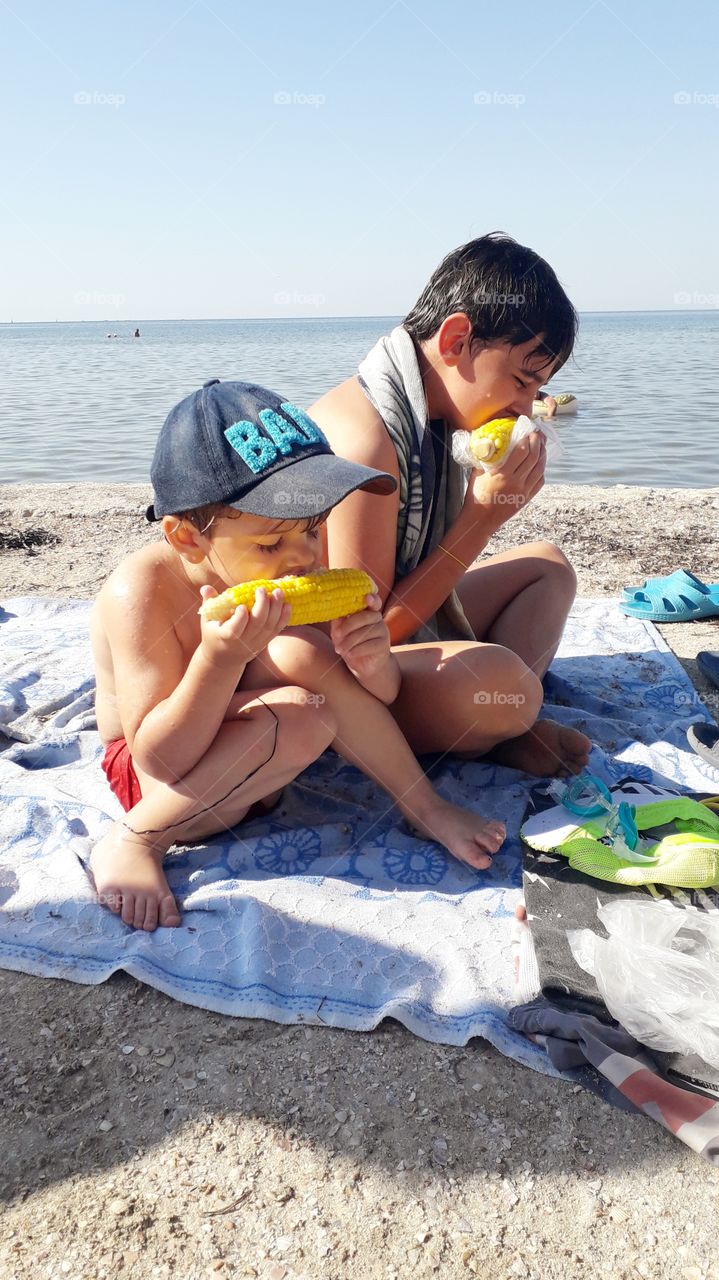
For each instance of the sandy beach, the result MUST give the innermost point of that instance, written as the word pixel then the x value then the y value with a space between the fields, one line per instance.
pixel 145 1137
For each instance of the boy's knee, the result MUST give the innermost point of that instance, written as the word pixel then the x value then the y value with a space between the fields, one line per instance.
pixel 253 740
pixel 530 696
pixel 307 726
pixel 557 567
pixel 303 652
pixel 508 688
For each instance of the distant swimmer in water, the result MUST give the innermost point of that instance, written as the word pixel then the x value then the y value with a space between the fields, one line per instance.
pixel 136 334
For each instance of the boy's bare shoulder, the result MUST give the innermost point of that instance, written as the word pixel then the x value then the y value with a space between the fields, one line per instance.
pixel 353 426
pixel 145 583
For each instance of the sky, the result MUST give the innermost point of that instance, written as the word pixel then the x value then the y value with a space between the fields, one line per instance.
pixel 226 159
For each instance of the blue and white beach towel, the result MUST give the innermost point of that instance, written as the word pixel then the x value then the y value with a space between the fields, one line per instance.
pixel 328 911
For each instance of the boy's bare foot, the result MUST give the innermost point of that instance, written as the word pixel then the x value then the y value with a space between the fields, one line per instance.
pixel 130 880
pixel 469 837
pixel 548 750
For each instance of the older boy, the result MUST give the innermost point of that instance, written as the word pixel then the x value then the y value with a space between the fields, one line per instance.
pixel 202 720
pixel 492 325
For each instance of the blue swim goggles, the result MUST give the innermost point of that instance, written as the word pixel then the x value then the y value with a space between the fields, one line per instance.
pixel 589 797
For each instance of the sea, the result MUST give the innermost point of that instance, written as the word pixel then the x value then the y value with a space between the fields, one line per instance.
pixel 83 401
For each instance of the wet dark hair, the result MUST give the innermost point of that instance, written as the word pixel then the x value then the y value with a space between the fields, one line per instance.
pixel 204 517
pixel 508 292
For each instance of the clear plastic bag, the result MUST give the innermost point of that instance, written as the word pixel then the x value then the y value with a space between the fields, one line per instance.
pixel 523 427
pixel 658 973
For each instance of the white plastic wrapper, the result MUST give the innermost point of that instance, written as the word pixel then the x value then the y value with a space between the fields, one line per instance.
pixel 657 972
pixel 523 427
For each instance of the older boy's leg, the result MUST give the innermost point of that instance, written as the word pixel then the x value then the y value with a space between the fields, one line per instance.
pixel 368 736
pixel 521 599
pixel 473 699
pixel 272 736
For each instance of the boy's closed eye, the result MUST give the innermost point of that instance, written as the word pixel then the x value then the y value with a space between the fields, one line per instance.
pixel 269 547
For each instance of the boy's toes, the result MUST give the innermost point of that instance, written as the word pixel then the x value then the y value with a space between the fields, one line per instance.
pixel 111 899
pixel 128 908
pixel 492 838
pixel 152 911
pixel 143 905
pixel 168 914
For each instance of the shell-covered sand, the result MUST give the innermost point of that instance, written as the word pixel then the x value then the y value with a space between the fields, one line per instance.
pixel 148 1138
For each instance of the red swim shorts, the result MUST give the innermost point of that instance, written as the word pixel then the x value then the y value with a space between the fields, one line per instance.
pixel 119 771
pixel 117 764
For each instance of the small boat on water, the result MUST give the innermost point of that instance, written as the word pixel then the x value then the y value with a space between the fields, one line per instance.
pixel 566 403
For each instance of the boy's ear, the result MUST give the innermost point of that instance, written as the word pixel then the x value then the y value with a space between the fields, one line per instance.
pixel 453 337
pixel 184 538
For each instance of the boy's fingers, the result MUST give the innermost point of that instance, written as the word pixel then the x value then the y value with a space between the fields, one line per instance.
pixel 357 621
pixel 352 645
pixel 261 607
pixel 207 592
pixel 362 644
pixel 279 614
pixel 238 622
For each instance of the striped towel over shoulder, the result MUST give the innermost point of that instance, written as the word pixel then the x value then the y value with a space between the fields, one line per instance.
pixel 431 483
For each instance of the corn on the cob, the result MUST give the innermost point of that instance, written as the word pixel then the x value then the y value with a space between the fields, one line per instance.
pixel 491 442
pixel 315 597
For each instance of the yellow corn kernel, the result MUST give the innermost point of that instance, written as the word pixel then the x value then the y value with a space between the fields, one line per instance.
pixel 491 442
pixel 315 597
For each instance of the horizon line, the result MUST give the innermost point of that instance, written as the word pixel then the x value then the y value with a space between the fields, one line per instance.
pixel 604 311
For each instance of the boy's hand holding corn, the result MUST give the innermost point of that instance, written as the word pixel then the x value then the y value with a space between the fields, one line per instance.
pixel 338 596
pixel 362 641
pixel 507 490
pixel 246 633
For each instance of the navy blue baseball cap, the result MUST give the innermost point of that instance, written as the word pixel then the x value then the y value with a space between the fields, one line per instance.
pixel 244 446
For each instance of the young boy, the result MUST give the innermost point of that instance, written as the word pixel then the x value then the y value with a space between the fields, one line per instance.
pixel 492 325
pixel 202 720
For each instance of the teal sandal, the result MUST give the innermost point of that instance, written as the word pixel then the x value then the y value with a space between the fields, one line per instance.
pixel 681 578
pixel 681 597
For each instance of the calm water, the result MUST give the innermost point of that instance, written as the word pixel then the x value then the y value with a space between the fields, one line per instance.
pixel 79 406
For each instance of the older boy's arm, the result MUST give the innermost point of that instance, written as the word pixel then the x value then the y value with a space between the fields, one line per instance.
pixel 490 501
pixel 362 534
pixel 361 531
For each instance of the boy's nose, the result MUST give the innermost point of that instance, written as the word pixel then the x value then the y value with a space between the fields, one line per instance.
pixel 310 564
pixel 523 405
